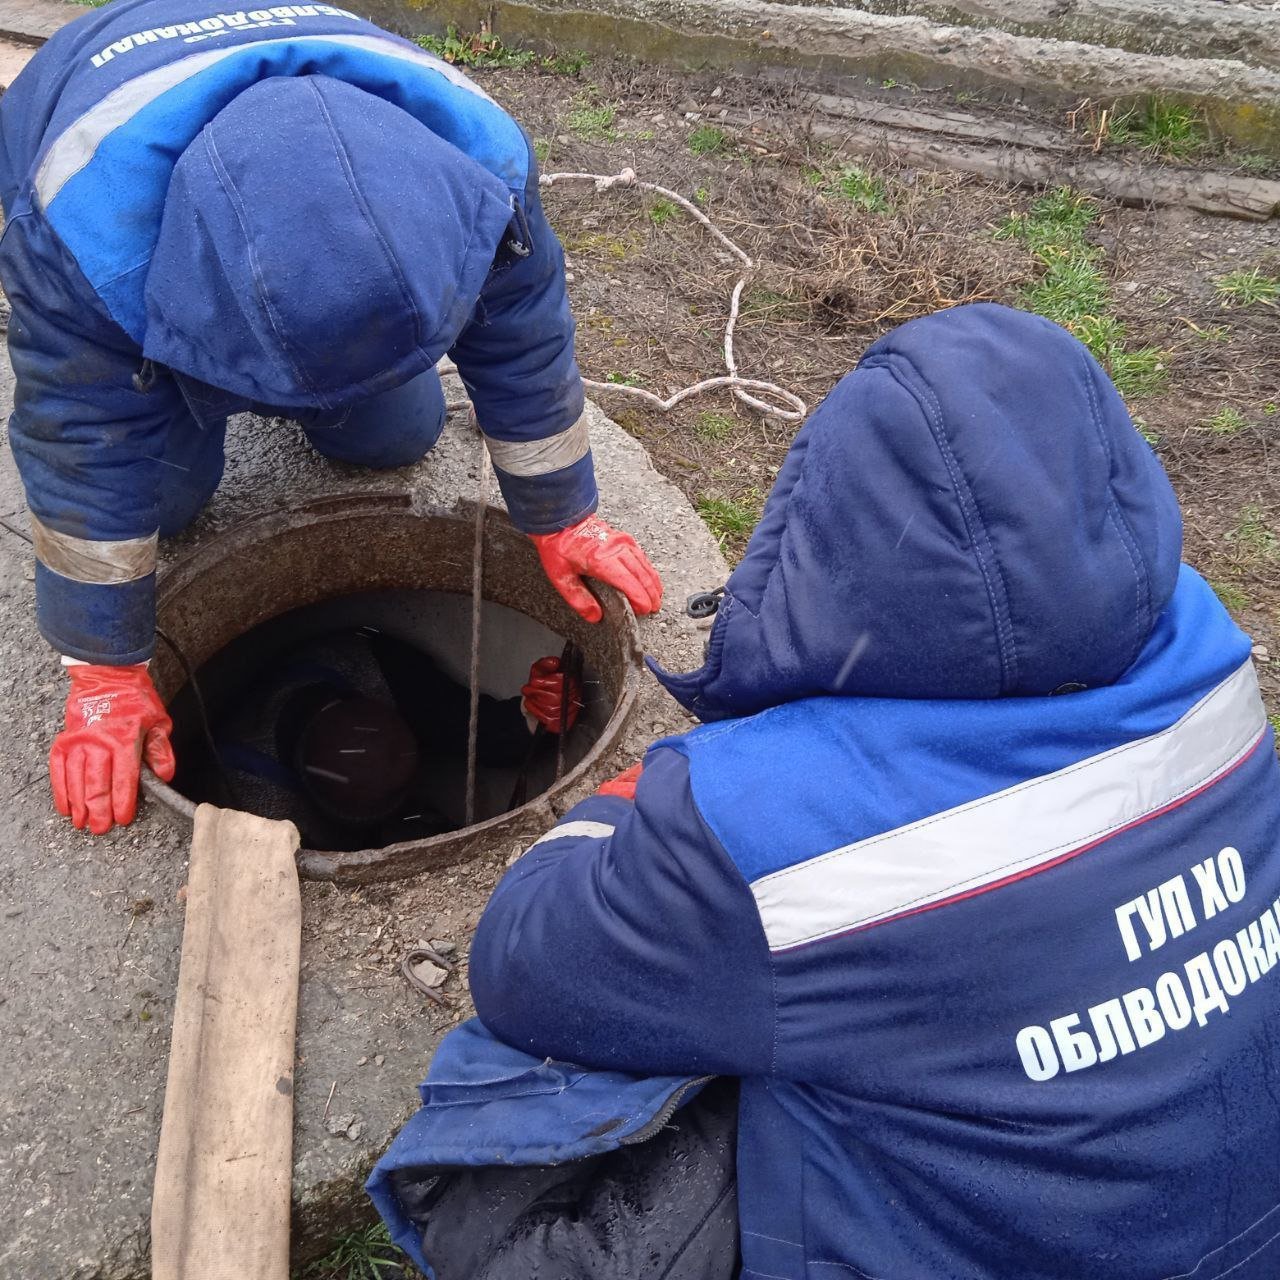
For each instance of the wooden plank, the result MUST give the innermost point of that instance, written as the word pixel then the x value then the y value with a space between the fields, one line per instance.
pixel 220 1209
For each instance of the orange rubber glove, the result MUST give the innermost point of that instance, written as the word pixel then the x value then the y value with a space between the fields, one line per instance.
pixel 592 547
pixel 114 719
pixel 544 695
pixel 623 785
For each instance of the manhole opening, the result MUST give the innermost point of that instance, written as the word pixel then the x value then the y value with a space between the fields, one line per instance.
pixel 349 718
pixel 314 584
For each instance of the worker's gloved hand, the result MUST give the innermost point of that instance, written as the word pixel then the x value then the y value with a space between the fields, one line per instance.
pixel 595 549
pixel 114 719
pixel 544 695
pixel 624 784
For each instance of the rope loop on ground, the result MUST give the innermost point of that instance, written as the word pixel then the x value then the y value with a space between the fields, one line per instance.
pixel 795 411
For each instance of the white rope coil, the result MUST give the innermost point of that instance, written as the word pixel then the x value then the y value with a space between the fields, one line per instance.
pixel 741 387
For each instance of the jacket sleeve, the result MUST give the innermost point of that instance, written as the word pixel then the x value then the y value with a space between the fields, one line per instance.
pixel 627 939
pixel 87 442
pixel 516 358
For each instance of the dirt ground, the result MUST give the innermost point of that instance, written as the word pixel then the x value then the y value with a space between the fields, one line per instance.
pixel 650 290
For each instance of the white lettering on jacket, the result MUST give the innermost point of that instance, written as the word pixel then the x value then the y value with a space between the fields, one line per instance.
pixel 220 24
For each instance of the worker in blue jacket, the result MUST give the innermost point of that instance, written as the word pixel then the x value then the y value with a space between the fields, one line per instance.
pixel 971 875
pixel 284 210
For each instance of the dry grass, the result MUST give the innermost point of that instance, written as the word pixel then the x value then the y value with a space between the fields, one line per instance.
pixel 842 261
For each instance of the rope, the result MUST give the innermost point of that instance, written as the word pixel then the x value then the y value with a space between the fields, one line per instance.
pixel 477 584
pixel 741 387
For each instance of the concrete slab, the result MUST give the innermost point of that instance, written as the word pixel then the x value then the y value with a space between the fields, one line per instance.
pixel 34 21
pixel 90 929
pixel 14 55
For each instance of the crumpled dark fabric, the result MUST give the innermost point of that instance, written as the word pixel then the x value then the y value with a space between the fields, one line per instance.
pixel 663 1209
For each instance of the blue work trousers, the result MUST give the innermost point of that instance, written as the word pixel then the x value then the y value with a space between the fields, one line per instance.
pixel 394 429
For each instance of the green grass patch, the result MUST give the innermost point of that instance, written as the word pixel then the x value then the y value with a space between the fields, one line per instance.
pixel 480 50
pixel 1253 538
pixel 729 520
pixel 1226 422
pixel 1072 290
pixel 769 304
pixel 661 211
pixel 567 64
pixel 593 121
pixel 367 1254
pixel 1139 371
pixel 713 427
pixel 1256 164
pixel 597 244
pixel 1231 595
pixel 1073 293
pixel 623 379
pixel 1247 288
pixel 1056 220
pixel 707 140
pixel 853 184
pixel 1165 129
pixel 542 150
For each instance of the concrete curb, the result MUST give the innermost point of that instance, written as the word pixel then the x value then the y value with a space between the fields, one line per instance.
pixel 1177 28
pixel 840 49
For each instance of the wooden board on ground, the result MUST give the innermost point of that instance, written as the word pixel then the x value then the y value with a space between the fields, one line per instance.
pixel 220 1208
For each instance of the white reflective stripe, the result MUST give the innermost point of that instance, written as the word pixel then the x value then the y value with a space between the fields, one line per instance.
pixel 576 830
pixel 540 457
pixel 90 560
pixel 74 148
pixel 1014 832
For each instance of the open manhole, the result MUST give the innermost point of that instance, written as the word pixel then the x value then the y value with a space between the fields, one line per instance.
pixel 370 596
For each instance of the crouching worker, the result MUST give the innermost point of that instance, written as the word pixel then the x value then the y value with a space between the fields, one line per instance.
pixel 969 879
pixel 292 212
pixel 359 739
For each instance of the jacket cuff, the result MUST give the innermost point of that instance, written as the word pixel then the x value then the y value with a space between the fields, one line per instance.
pixel 108 624
pixel 553 501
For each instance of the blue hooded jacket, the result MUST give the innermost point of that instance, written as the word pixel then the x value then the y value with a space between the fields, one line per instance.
pixel 974 878
pixel 285 209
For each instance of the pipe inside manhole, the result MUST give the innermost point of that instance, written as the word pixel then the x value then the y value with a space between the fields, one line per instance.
pixel 370 598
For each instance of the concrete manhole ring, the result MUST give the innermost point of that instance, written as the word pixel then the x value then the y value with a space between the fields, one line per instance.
pixel 336 547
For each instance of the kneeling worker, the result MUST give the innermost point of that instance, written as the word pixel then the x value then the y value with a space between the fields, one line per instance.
pixel 288 211
pixel 972 880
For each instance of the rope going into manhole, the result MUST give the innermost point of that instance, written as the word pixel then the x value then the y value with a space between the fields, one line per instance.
pixel 740 386
pixel 477 595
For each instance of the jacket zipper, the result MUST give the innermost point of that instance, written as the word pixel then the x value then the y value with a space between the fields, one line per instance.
pixel 665 1112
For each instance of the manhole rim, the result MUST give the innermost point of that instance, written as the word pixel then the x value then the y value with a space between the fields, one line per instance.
pixel 413 857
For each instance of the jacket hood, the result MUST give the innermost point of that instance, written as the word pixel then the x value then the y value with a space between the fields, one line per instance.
pixel 318 245
pixel 970 514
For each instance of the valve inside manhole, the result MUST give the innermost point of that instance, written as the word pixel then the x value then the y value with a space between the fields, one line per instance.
pixel 331 650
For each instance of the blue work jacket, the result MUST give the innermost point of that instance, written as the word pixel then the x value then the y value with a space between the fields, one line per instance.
pixel 149 159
